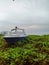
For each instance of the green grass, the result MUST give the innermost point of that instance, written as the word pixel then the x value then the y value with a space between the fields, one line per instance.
pixel 34 50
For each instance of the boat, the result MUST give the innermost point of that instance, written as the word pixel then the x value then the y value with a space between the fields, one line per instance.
pixel 15 35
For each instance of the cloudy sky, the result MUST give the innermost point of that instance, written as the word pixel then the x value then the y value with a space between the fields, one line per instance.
pixel 32 15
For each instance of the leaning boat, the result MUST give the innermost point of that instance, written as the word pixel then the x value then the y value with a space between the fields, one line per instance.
pixel 15 35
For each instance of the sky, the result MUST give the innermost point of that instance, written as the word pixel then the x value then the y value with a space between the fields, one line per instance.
pixel 32 15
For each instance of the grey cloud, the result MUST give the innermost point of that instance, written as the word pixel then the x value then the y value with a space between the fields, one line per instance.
pixel 24 12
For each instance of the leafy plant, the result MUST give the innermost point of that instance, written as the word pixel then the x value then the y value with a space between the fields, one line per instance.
pixel 34 50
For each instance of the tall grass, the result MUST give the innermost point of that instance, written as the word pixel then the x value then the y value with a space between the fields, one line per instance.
pixel 34 50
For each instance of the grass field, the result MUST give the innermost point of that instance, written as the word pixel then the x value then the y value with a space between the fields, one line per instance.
pixel 34 50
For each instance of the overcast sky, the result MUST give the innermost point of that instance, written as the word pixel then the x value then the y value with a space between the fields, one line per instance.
pixel 28 14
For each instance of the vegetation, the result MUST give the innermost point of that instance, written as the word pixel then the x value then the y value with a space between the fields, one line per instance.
pixel 34 50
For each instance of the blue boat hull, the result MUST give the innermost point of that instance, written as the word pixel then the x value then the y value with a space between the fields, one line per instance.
pixel 14 39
